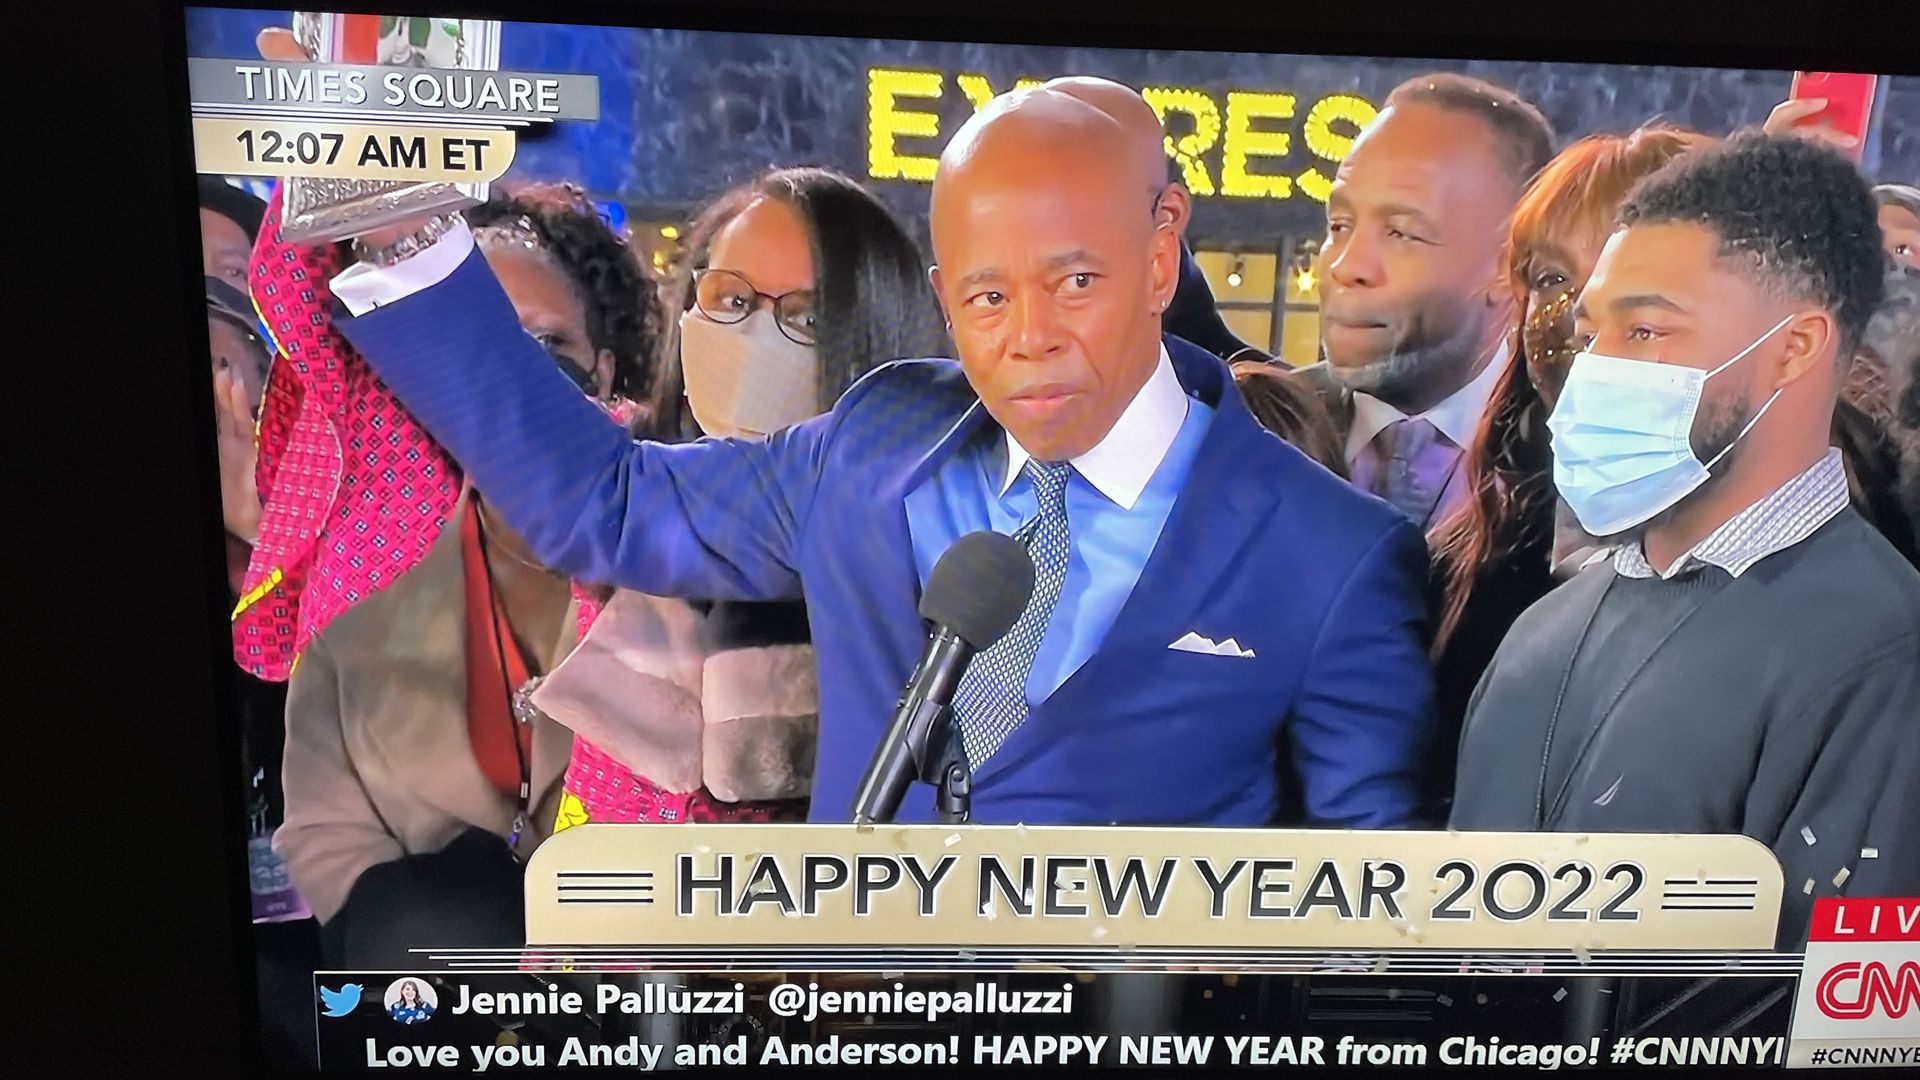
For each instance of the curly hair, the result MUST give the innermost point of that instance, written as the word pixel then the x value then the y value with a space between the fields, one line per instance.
pixel 1796 217
pixel 617 292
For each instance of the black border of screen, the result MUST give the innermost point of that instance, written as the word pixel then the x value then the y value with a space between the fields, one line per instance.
pixel 145 907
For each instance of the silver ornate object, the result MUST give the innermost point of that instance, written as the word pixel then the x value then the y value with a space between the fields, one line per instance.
pixel 319 211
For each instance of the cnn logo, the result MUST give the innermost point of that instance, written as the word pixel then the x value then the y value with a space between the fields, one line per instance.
pixel 1855 990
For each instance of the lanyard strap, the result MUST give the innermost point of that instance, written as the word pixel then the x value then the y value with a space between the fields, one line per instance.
pixel 516 717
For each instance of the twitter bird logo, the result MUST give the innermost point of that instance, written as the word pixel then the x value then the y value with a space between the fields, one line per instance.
pixel 342 1001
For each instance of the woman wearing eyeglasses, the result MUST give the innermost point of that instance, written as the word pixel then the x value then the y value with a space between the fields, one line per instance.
pixel 796 284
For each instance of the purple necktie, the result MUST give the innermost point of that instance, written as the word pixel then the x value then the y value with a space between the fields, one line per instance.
pixel 1414 464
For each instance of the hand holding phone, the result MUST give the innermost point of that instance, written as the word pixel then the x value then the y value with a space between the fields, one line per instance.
pixel 1832 107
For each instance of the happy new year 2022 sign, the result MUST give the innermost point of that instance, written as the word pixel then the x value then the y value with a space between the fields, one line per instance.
pixel 931 885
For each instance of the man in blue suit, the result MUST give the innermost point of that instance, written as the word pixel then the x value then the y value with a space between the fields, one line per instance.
pixel 1222 632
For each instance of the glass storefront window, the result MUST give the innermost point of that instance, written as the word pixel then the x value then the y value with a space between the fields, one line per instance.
pixel 1239 277
pixel 1300 337
pixel 1251 325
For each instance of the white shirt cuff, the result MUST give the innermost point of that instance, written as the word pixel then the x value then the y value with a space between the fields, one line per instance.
pixel 364 286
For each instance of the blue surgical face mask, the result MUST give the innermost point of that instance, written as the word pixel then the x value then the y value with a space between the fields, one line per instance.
pixel 1623 436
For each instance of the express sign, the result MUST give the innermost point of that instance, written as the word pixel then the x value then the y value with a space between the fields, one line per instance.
pixel 1253 127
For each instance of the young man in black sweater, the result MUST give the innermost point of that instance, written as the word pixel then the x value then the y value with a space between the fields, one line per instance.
pixel 1746 659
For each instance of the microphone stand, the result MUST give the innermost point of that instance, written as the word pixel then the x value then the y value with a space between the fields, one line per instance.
pixel 921 744
pixel 949 774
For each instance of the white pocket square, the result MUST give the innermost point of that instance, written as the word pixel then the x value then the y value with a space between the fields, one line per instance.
pixel 1194 643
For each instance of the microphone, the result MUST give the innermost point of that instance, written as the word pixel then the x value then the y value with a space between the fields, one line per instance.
pixel 975 594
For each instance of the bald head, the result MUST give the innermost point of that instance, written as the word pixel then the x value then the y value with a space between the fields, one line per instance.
pixel 1110 126
pixel 1130 110
pixel 1053 262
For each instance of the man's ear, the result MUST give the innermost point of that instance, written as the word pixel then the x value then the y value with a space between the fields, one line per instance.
pixel 933 281
pixel 1163 267
pixel 1176 209
pixel 1808 343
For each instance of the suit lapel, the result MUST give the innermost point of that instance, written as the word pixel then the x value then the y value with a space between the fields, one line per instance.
pixel 888 570
pixel 1217 511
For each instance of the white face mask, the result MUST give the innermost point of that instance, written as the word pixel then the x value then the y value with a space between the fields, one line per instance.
pixel 1623 436
pixel 746 379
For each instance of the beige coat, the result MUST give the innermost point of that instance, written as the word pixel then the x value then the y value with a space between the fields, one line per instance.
pixel 378 763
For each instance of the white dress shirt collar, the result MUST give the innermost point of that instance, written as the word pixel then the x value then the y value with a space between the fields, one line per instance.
pixel 1120 464
pixel 1791 513
pixel 1455 416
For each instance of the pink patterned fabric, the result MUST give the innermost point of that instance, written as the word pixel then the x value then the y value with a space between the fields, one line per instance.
pixel 354 491
pixel 611 792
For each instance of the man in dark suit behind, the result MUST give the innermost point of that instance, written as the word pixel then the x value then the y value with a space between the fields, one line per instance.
pixel 1415 316
pixel 1414 310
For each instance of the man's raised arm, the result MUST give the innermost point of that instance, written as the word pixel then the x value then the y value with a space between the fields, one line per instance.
pixel 714 519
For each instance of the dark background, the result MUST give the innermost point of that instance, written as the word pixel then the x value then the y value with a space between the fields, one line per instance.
pixel 128 831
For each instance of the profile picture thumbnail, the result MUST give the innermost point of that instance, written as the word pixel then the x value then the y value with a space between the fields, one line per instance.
pixel 411 1000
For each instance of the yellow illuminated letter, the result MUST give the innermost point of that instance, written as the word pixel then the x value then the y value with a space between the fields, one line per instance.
pixel 1324 142
pixel 979 91
pixel 886 122
pixel 1243 142
pixel 1187 148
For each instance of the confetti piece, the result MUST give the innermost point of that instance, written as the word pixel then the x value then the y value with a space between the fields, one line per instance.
pixel 1840 878
pixel 1869 852
pixel 1206 995
pixel 1560 994
pixel 703 849
pixel 1443 999
pixel 1231 978
pixel 952 840
pixel 1380 965
pixel 1808 887
pixel 1479 999
pixel 1807 835
pixel 891 974
pixel 1099 932
pixel 1581 952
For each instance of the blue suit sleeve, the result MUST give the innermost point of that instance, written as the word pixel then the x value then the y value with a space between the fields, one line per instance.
pixel 714 519
pixel 1364 719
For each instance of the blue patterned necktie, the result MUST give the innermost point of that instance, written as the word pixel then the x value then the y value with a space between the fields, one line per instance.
pixel 992 698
